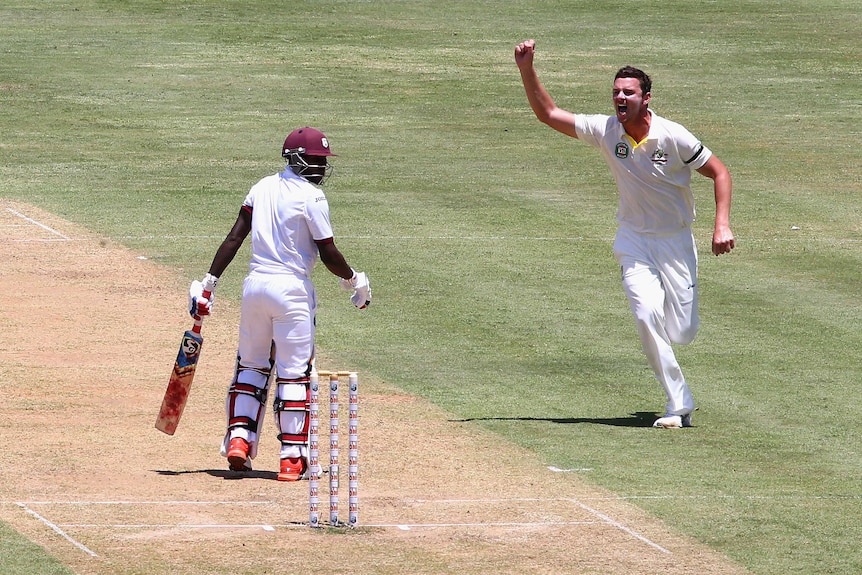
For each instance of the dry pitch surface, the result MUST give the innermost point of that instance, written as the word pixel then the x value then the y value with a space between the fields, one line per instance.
pixel 88 335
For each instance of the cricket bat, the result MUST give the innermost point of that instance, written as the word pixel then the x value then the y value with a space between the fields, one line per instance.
pixel 182 376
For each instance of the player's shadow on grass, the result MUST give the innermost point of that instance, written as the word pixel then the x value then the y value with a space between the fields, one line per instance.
pixel 637 419
pixel 224 473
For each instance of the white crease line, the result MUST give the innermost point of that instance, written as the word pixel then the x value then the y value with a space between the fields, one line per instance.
pixel 488 238
pixel 273 527
pixel 38 241
pixel 851 496
pixel 263 526
pixel 486 500
pixel 401 238
pixel 41 225
pixel 409 526
pixel 172 502
pixel 558 470
pixel 847 496
pixel 740 497
pixel 604 518
pixel 57 530
pixel 406 526
pixel 622 527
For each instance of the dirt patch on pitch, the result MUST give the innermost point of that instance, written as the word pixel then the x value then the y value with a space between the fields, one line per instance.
pixel 88 334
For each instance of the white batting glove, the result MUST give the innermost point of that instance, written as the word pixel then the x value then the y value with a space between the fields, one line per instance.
pixel 349 284
pixel 198 304
pixel 361 288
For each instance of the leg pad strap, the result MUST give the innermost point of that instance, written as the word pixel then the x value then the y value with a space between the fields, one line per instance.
pixel 248 416
pixel 291 410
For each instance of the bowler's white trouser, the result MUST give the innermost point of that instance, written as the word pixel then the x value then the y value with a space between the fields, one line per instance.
pixel 659 276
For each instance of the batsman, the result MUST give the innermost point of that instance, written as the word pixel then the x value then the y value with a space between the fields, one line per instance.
pixel 287 215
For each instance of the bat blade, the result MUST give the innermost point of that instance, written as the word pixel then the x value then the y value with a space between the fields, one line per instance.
pixel 177 392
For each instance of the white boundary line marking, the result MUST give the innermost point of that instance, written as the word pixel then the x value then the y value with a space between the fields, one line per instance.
pixel 40 224
pixel 59 531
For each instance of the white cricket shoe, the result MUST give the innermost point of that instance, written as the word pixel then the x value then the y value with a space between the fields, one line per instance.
pixel 673 421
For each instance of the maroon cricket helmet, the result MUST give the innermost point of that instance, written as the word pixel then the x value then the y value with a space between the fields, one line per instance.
pixel 306 142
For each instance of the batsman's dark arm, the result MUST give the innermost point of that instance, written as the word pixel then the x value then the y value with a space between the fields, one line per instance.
pixel 333 259
pixel 231 244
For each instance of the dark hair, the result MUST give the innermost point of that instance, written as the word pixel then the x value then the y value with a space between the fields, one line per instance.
pixel 632 72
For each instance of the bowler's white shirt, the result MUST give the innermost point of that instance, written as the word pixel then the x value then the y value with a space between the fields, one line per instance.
pixel 653 176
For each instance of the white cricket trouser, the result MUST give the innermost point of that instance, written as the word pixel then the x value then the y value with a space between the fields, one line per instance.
pixel 276 309
pixel 280 309
pixel 659 276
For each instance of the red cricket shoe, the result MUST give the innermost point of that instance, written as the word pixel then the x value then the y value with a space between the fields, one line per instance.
pixel 292 469
pixel 237 454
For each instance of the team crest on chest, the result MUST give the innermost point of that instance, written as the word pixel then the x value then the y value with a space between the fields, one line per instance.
pixel 622 150
pixel 659 157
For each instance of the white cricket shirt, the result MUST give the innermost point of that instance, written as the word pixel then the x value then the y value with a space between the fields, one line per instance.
pixel 653 176
pixel 288 214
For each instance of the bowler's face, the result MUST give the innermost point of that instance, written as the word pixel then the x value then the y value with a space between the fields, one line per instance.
pixel 629 101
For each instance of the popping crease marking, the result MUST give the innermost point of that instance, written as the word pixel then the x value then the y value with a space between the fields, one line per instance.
pixel 621 527
pixel 409 526
pixel 490 238
pixel 605 519
pixel 397 238
pixel 41 225
pixel 57 530
pixel 129 502
pixel 601 519
pixel 263 526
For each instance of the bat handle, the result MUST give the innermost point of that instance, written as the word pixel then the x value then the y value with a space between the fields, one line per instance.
pixel 198 319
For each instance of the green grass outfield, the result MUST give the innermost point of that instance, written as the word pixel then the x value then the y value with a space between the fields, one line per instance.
pixel 487 236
